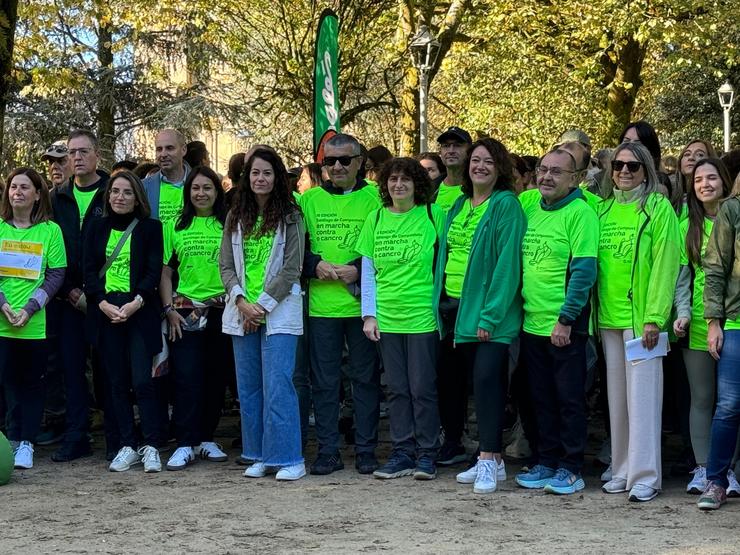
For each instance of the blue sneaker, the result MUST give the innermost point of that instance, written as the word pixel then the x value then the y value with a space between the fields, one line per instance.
pixel 399 464
pixel 425 468
pixel 565 483
pixel 537 478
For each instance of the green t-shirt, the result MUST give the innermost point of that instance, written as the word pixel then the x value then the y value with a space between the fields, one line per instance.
pixel 616 251
pixel 333 224
pixel 732 324
pixel 197 249
pixel 256 254
pixel 402 249
pixel 170 201
pixel 41 246
pixel 7 460
pixel 118 276
pixel 698 329
pixel 553 237
pixel 447 195
pixel 83 200
pixel 459 243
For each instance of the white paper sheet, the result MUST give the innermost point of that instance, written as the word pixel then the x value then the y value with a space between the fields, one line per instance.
pixel 635 352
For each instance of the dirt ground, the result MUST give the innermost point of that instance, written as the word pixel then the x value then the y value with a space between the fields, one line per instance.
pixel 80 507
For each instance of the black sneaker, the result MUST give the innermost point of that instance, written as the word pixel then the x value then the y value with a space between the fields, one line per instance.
pixel 452 453
pixel 71 451
pixel 366 463
pixel 398 465
pixel 425 468
pixel 326 464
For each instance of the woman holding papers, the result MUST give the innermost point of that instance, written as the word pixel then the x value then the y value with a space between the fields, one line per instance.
pixel 722 310
pixel 32 265
pixel 637 267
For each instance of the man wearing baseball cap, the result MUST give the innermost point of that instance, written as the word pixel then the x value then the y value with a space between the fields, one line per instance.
pixel 453 149
pixel 59 163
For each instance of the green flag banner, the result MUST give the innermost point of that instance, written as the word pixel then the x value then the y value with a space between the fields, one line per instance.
pixel 325 83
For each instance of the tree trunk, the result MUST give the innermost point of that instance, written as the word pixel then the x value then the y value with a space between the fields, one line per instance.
pixel 106 103
pixel 8 20
pixel 625 85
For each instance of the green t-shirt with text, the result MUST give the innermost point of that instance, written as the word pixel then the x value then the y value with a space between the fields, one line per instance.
pixel 118 276
pixel 196 248
pixel 618 228
pixel 552 239
pixel 256 254
pixel 447 195
pixel 459 242
pixel 333 224
pixel 83 200
pixel 698 328
pixel 401 246
pixel 33 250
pixel 170 201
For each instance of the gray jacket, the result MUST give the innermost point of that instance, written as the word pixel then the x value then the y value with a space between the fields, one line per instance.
pixel 151 188
pixel 281 296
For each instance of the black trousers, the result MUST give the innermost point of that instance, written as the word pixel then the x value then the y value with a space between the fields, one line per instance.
pixel 452 383
pixel 22 368
pixel 557 381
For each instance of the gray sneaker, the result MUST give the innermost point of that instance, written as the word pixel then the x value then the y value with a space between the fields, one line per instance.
pixel 124 460
pixel 150 458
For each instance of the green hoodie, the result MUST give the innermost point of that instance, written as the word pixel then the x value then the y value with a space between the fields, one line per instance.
pixel 491 298
pixel 655 261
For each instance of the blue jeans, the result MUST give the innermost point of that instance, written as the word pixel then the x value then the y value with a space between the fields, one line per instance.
pixel 727 414
pixel 271 427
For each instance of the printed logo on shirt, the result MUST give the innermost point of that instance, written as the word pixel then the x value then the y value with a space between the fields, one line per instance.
pixel 535 249
pixel 350 238
pixel 618 241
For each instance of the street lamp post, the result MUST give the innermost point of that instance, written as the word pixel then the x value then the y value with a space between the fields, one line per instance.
pixel 424 49
pixel 726 95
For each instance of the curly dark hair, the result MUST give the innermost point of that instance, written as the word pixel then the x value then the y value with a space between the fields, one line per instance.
pixel 245 209
pixel 423 190
pixel 501 160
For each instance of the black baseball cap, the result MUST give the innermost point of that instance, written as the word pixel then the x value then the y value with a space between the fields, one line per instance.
pixel 455 134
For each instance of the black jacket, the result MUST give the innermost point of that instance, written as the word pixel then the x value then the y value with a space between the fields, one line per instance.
pixel 146 269
pixel 67 216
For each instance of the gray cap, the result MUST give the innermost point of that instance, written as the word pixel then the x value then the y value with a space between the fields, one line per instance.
pixel 575 136
pixel 56 151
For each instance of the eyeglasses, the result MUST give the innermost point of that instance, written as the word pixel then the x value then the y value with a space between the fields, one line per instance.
pixel 343 160
pixel 555 172
pixel 81 151
pixel 632 166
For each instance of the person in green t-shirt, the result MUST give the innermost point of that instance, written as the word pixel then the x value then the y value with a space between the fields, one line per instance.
pixel 638 265
pixel 260 263
pixel 721 263
pixel 164 188
pixel 335 214
pixel 453 149
pixel 201 354
pixel 711 184
pixel 31 272
pixel 398 244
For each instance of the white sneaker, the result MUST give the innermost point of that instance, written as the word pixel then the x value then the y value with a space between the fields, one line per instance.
pixel 606 476
pixel 293 472
pixel 24 455
pixel 698 483
pixel 124 460
pixel 468 476
pixel 642 493
pixel 485 480
pixel 182 457
pixel 210 451
pixel 150 458
pixel 733 490
pixel 615 485
pixel 259 470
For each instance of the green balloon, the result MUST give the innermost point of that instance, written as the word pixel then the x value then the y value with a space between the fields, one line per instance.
pixel 7 460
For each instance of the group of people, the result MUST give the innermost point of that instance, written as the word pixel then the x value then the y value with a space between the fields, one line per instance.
pixel 469 266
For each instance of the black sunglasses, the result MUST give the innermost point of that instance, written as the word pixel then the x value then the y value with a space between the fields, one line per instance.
pixel 344 160
pixel 632 167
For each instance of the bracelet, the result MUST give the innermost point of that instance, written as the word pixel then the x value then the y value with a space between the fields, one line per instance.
pixel 140 300
pixel 167 308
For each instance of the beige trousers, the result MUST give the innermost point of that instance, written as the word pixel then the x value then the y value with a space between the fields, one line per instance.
pixel 635 395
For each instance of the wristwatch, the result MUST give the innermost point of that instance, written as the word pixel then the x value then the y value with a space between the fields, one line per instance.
pixel 565 321
pixel 140 300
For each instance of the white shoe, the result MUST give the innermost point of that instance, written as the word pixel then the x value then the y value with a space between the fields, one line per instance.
pixel 485 480
pixel 182 457
pixel 124 460
pixel 642 493
pixel 211 451
pixel 259 470
pixel 733 489
pixel 24 455
pixel 698 483
pixel 150 458
pixel 468 476
pixel 606 476
pixel 615 485
pixel 292 472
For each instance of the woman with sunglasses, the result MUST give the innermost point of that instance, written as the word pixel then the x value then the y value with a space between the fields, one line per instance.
pixel 200 352
pixel 721 264
pixel 476 294
pixel 638 257
pixel 34 263
pixel 122 269
pixel 711 184
pixel 260 264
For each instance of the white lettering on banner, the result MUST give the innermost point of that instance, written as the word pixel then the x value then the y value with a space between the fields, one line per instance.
pixel 328 93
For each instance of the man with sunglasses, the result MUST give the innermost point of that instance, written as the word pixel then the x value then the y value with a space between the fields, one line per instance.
pixel 335 214
pixel 60 164
pixel 558 271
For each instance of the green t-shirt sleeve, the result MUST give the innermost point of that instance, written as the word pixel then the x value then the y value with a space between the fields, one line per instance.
pixel 683 227
pixel 440 219
pixel 529 199
pixel 57 257
pixel 366 241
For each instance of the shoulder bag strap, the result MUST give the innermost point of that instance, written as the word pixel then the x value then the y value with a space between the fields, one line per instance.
pixel 117 250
